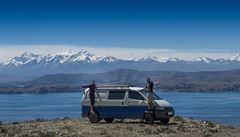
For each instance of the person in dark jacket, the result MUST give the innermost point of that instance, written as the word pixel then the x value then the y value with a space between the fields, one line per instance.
pixel 149 88
pixel 92 91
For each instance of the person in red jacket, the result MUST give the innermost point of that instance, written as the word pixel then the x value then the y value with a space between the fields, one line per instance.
pixel 92 91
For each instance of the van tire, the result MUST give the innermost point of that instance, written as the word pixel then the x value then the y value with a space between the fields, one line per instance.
pixel 109 120
pixel 93 117
pixel 149 117
pixel 164 120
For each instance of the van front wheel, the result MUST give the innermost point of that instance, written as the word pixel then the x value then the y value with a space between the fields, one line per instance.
pixel 149 118
pixel 93 117
pixel 164 120
pixel 108 120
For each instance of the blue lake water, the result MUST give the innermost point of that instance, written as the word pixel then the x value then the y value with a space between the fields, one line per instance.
pixel 221 107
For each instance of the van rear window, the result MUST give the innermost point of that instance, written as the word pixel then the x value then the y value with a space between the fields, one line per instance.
pixel 116 94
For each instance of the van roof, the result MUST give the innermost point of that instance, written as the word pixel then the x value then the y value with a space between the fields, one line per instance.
pixel 113 85
pixel 121 88
pixel 136 88
pixel 126 88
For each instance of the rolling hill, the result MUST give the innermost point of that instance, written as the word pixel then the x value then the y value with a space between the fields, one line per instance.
pixel 164 80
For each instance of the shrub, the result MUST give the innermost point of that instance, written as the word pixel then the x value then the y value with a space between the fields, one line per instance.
pixel 178 118
pixel 15 123
pixel 39 120
pixel 210 124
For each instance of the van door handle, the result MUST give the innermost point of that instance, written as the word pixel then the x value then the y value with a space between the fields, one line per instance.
pixel 129 101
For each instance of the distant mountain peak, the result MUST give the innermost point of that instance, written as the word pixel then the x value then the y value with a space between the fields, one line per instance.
pixel 108 59
pixel 24 58
pixel 149 57
pixel 204 59
pixel 236 57
pixel 158 59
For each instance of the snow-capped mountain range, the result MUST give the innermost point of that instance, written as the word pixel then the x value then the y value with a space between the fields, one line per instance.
pixel 64 57
pixel 69 56
pixel 30 65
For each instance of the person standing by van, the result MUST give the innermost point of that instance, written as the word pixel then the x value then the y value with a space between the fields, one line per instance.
pixel 92 91
pixel 149 88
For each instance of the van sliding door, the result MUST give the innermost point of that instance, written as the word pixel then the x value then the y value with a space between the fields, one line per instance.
pixel 115 106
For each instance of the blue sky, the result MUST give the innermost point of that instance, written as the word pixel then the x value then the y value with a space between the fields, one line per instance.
pixel 157 24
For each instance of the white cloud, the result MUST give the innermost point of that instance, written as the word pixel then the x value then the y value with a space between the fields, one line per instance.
pixel 9 51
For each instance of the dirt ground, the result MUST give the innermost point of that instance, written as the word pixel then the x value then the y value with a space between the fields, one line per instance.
pixel 177 127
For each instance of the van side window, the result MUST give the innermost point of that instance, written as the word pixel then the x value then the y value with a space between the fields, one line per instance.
pixel 116 94
pixel 135 95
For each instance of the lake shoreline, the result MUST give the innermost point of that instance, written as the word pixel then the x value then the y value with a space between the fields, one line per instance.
pixel 62 127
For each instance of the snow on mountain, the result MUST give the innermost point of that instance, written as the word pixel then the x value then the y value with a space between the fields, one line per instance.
pixel 169 59
pixel 66 56
pixel 149 58
pixel 108 59
pixel 29 65
pixel 132 59
pixel 73 57
pixel 158 59
pixel 25 58
pixel 204 59
pixel 236 57
pixel 59 58
pixel 83 56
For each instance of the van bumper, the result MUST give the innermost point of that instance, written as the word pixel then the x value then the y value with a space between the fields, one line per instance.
pixel 167 112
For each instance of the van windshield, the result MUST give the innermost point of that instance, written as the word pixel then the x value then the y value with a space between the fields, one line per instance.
pixel 155 96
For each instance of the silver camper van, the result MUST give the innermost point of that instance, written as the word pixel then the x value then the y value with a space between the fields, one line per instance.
pixel 122 102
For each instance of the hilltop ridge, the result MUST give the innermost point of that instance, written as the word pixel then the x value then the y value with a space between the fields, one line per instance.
pixel 164 80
